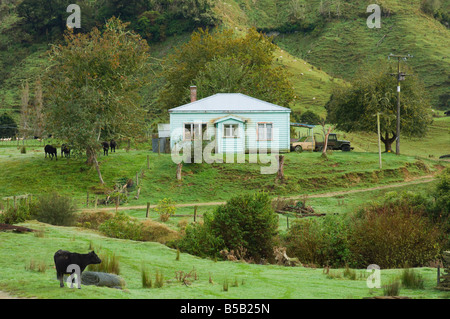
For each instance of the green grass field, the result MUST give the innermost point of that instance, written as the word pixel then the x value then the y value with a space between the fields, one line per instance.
pixel 253 281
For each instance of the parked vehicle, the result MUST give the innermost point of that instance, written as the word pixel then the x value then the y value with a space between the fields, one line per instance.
pixel 316 143
pixel 305 143
pixel 333 144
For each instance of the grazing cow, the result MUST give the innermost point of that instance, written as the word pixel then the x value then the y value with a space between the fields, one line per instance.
pixel 65 258
pixel 51 151
pixel 113 145
pixel 105 148
pixel 65 149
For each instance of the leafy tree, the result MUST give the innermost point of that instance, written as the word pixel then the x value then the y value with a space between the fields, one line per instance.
pixel 353 108
pixel 309 117
pixel 224 62
pixel 8 127
pixel 93 87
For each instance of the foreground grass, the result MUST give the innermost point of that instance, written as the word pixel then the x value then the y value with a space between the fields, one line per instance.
pixel 254 281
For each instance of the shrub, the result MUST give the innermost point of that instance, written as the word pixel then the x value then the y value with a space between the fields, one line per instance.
pixel 393 235
pixel 55 209
pixel 122 226
pixel 165 208
pixel 244 222
pixel 247 221
pixel 200 240
pixel 154 231
pixel 319 241
pixel 93 220
pixel 18 214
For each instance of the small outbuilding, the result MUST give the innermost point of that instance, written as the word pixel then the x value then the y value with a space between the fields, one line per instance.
pixel 235 122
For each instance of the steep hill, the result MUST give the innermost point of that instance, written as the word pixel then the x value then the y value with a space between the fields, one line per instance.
pixel 333 35
pixel 322 42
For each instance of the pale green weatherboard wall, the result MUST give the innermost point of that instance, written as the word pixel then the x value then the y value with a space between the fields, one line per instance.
pixel 280 121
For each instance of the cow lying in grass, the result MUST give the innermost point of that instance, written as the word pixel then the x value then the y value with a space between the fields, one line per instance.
pixel 64 259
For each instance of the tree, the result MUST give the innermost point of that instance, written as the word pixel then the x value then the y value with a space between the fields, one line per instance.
pixel 225 62
pixel 8 127
pixel 93 87
pixel 352 108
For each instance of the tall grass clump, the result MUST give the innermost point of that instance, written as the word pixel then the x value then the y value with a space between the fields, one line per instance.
pixel 411 279
pixel 145 278
pixel 392 288
pixel 110 264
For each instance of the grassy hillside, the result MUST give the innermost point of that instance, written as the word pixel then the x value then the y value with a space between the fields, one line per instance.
pixel 305 173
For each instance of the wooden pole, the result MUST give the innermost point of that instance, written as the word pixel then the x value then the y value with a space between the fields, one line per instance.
pixel 148 161
pixel 87 199
pixel 195 213
pixel 179 168
pixel 148 208
pixel 117 203
pixel 280 174
pixel 379 139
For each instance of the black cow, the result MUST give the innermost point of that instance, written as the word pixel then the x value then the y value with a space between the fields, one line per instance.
pixel 105 148
pixel 51 151
pixel 65 258
pixel 65 149
pixel 113 145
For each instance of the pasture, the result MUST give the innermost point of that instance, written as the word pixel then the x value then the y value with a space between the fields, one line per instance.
pixel 308 177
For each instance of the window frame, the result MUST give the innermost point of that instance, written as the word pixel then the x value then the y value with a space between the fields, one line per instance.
pixel 192 130
pixel 258 138
pixel 235 131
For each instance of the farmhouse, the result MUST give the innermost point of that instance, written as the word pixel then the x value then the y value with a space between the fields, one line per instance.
pixel 235 122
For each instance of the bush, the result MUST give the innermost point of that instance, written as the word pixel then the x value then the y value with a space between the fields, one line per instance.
pixel 200 240
pixel 247 221
pixel 165 208
pixel 55 209
pixel 93 220
pixel 393 235
pixel 18 214
pixel 122 226
pixel 319 241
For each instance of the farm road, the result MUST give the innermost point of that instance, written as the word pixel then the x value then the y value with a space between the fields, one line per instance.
pixel 418 180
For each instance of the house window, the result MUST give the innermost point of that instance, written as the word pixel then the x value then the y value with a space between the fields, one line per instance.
pixel 230 130
pixel 194 131
pixel 265 131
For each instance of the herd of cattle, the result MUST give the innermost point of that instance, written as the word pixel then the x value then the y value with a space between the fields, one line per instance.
pixel 65 149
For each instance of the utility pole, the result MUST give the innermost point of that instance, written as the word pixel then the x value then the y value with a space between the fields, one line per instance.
pixel 401 76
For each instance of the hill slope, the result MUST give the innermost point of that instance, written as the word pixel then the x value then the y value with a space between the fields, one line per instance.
pixel 334 35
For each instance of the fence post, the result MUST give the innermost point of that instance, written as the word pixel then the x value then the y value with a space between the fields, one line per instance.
pixel 148 161
pixel 87 199
pixel 195 213
pixel 148 208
